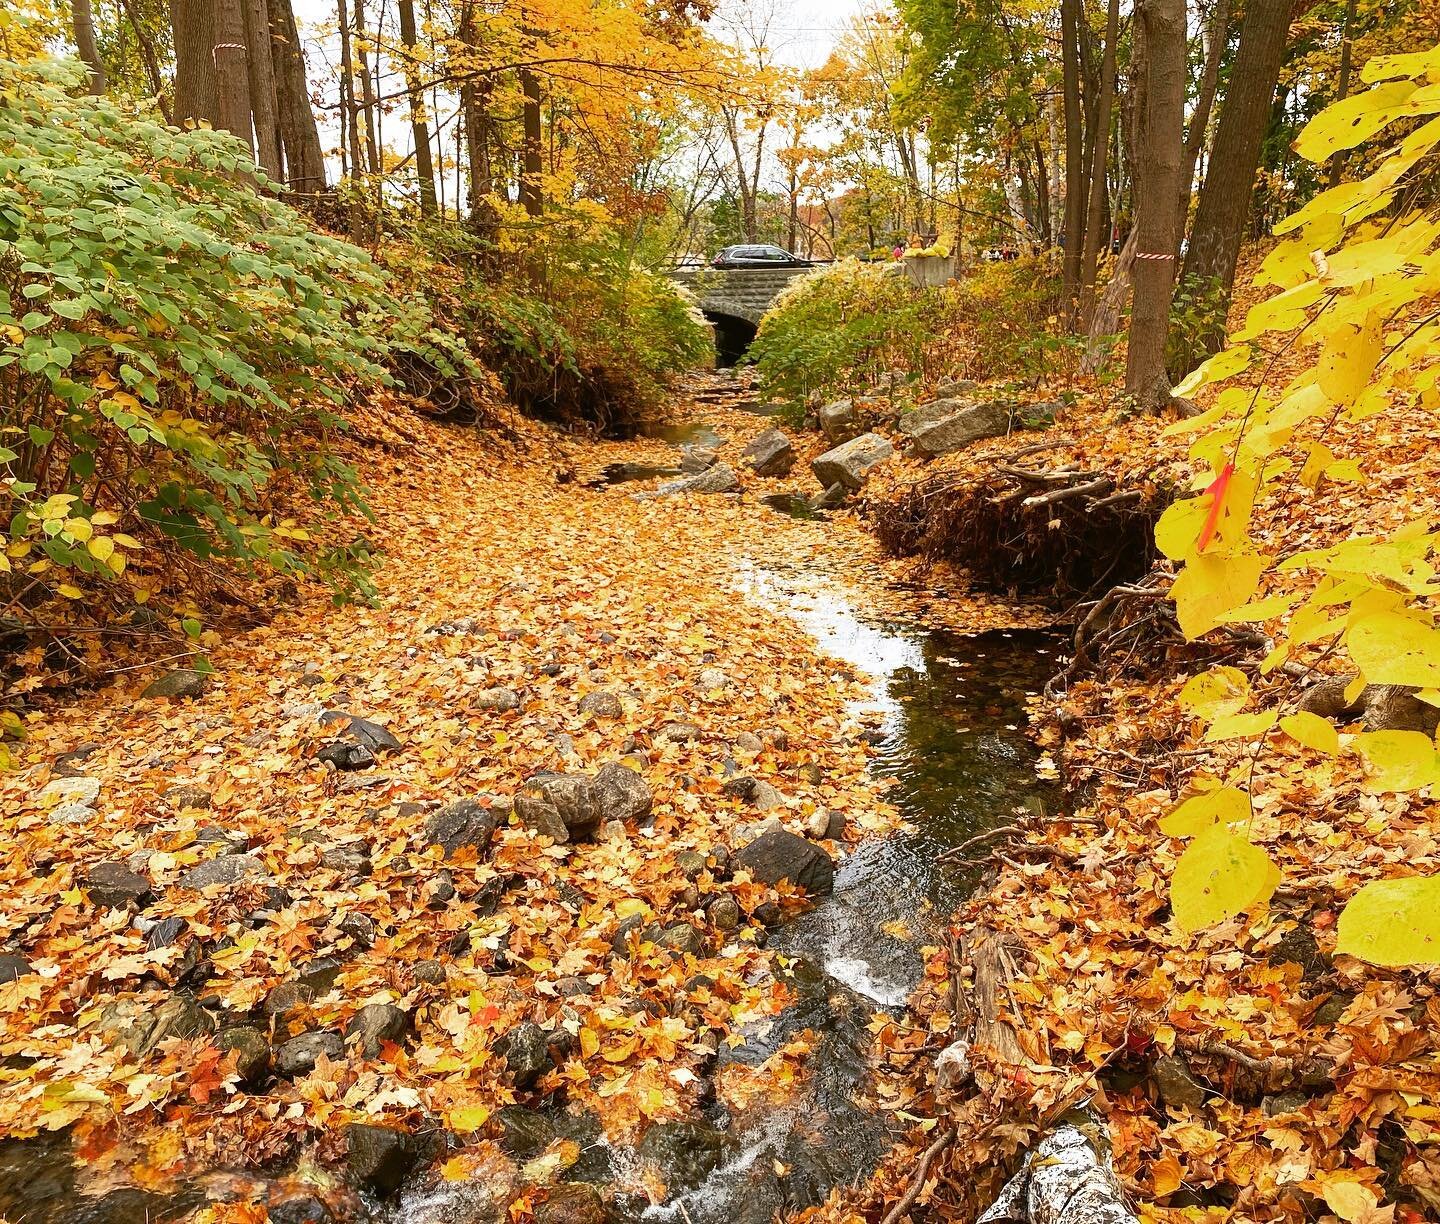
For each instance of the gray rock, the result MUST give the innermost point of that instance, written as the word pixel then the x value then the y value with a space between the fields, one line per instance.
pixel 850 463
pixel 141 1024
pixel 840 421
pixel 114 885
pixel 770 453
pixel 526 1053
pixel 224 839
pixel 955 388
pixel 685 1153
pixel 682 937
pixel 712 680
pixel 188 796
pixel 724 913
pixel 679 732
pixel 462 823
pixel 13 967
pixel 430 972
pixel 228 869
pixel 346 756
pixel 817 824
pixel 601 704
pixel 379 1158
pixel 161 935
pixel 1177 1087
pixel 182 682
pixel 940 434
pixel 748 741
pixel 376 1023
pixel 780 855
pixel 620 793
pixel 695 459
pixel 352 859
pixel 500 699
pixel 319 974
pixel 285 998
pixel 299 1055
pixel 719 478
pixel 251 1050
pixel 360 928
pixel 571 1203
pixel 832 497
pixel 1284 1103
pixel 765 798
pixel 620 941
pixel 440 890
pixel 561 806
pixel 362 731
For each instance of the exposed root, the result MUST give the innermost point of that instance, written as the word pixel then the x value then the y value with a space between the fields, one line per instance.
pixel 1059 532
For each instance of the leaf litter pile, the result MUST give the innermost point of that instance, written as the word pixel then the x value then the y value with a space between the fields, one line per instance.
pixel 340 889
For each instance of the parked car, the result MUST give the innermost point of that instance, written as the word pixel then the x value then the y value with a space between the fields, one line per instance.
pixel 757 256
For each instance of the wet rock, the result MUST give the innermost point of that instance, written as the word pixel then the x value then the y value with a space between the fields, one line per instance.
pixel 376 1023
pixel 188 797
pixel 302 1208
pixel 561 806
pixel 462 823
pixel 251 1050
pixel 724 913
pixel 526 1054
pixel 951 425
pixel 430 972
pixel 571 1203
pixel 1178 1089
pixel 840 421
pixel 228 870
pixel 361 731
pixel 319 974
pixel 832 497
pixel 685 1153
pixel 768 914
pixel 182 682
pixel 524 1132
pixel 285 998
pixel 499 699
pixel 601 704
pixel 142 1024
pixel 114 886
pixel 695 458
pixel 164 933
pixel 850 463
pixel 299 1055
pixel 780 855
pixel 378 1158
pixel 684 938
pixel 620 941
pixel 770 453
pixel 13 967
pixel 619 793
pixel 679 732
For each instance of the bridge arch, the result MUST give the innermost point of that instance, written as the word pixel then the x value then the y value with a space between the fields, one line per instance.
pixel 734 300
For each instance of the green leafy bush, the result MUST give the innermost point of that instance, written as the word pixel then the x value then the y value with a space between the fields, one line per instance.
pixel 839 327
pixel 173 343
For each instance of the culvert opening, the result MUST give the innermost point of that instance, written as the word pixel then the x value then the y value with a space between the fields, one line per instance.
pixel 732 337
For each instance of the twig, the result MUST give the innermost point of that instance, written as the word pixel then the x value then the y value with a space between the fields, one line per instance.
pixel 943 1140
pixel 1101 484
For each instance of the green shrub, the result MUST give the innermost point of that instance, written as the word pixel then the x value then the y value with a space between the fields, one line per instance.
pixel 838 328
pixel 173 344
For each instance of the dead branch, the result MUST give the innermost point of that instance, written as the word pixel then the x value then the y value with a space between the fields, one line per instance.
pixel 1101 484
pixel 943 1140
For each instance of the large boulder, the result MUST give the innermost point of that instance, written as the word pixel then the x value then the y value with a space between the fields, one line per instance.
pixel 850 463
pixel 379 1157
pixel 561 806
pixel 719 478
pixel 780 855
pixel 840 421
pixel 770 453
pixel 951 425
pixel 621 794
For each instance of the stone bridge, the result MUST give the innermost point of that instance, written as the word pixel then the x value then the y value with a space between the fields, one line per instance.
pixel 734 299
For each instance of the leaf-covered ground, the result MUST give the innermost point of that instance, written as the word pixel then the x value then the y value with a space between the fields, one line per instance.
pixel 505 575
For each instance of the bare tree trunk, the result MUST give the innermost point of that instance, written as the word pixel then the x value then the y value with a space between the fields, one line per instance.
pixel 192 24
pixel 532 165
pixel 232 77
pixel 1099 151
pixel 420 129
pixel 262 87
pixel 304 162
pixel 1042 196
pixel 1342 89
pixel 1075 202
pixel 83 21
pixel 1216 32
pixel 349 111
pixel 148 58
pixel 367 92
pixel 1224 205
pixel 1161 25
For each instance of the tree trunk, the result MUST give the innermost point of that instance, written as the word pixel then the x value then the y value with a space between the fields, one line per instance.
pixel 232 77
pixel 349 112
pixel 84 23
pixel 1042 196
pixel 262 87
pixel 1161 26
pixel 1342 90
pixel 1075 202
pixel 1230 176
pixel 367 93
pixel 304 163
pixel 192 23
pixel 532 166
pixel 1099 151
pixel 148 58
pixel 420 129
pixel 1216 33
